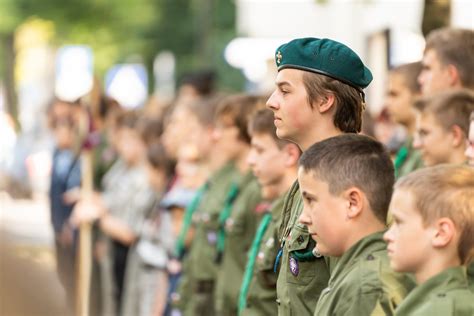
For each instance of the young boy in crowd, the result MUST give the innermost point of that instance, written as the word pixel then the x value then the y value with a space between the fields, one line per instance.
pixel 442 126
pixel 65 178
pixel 319 94
pixel 274 163
pixel 200 120
pixel 403 88
pixel 239 217
pixel 345 210
pixel 120 209
pixel 448 62
pixel 432 236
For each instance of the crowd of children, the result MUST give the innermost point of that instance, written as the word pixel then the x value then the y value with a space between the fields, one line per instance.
pixel 278 205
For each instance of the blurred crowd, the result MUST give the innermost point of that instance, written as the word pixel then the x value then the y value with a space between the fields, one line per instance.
pixel 181 190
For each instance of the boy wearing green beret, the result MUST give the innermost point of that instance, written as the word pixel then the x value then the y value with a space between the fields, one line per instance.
pixel 274 163
pixel 319 94
pixel 432 236
pixel 345 210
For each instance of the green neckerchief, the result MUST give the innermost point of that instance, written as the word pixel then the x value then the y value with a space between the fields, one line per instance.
pixel 400 159
pixel 224 215
pixel 252 255
pixel 188 217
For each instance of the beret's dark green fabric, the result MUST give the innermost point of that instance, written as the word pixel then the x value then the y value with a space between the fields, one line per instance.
pixel 326 57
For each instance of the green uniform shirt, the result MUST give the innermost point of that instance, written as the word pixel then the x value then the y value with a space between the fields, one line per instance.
pixel 240 228
pixel 362 282
pixel 408 159
pixel 261 296
pixel 301 280
pixel 206 222
pixel 199 263
pixel 445 294
pixel 470 276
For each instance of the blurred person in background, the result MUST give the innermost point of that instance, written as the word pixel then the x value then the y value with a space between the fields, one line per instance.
pixel 146 283
pixel 238 219
pixel 403 89
pixel 448 60
pixel 443 126
pixel 65 183
pixel 200 120
pixel 120 209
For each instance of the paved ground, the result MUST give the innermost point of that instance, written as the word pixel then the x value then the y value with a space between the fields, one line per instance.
pixel 28 282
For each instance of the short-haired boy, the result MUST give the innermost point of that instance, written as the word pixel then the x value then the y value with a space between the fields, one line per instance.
pixel 402 90
pixel 442 126
pixel 432 236
pixel 274 162
pixel 346 183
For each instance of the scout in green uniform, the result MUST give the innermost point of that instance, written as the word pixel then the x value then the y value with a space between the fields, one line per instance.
pixel 432 238
pixel 200 119
pixel 470 158
pixel 319 94
pixel 345 210
pixel 274 162
pixel 238 219
pixel 402 90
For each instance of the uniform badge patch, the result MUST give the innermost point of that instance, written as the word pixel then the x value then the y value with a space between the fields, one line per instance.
pixel 294 267
pixel 211 238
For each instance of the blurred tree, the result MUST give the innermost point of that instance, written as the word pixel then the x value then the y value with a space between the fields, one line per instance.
pixel 436 14
pixel 196 31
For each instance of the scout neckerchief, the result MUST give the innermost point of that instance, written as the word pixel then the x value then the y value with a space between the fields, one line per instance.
pixel 400 159
pixel 285 229
pixel 225 214
pixel 252 255
pixel 188 216
pixel 227 211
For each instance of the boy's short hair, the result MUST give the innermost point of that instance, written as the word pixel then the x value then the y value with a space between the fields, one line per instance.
pixel 205 109
pixel 410 73
pixel 454 47
pixel 449 108
pixel 349 101
pixel 445 191
pixel 263 123
pixel 353 161
pixel 239 109
pixel 158 159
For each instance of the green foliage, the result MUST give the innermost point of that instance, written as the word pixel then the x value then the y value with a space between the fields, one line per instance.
pixel 118 29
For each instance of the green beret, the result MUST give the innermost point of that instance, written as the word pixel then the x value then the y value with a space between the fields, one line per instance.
pixel 326 57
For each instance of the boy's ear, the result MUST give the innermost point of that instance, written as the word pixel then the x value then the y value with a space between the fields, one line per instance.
pixel 292 153
pixel 459 138
pixel 356 199
pixel 445 232
pixel 453 75
pixel 326 102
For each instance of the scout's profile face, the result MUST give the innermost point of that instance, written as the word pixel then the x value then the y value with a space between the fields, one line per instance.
pixel 130 146
pixel 433 141
pixel 470 145
pixel 323 213
pixel 434 75
pixel 408 240
pixel 226 138
pixel 290 106
pixel 266 159
pixel 399 99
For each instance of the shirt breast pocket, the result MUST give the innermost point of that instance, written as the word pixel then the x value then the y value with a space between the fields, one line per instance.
pixel 299 271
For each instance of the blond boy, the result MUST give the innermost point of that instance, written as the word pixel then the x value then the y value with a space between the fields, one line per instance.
pixel 432 236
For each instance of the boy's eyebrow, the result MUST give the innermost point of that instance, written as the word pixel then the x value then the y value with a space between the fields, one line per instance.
pixel 307 195
pixel 281 84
